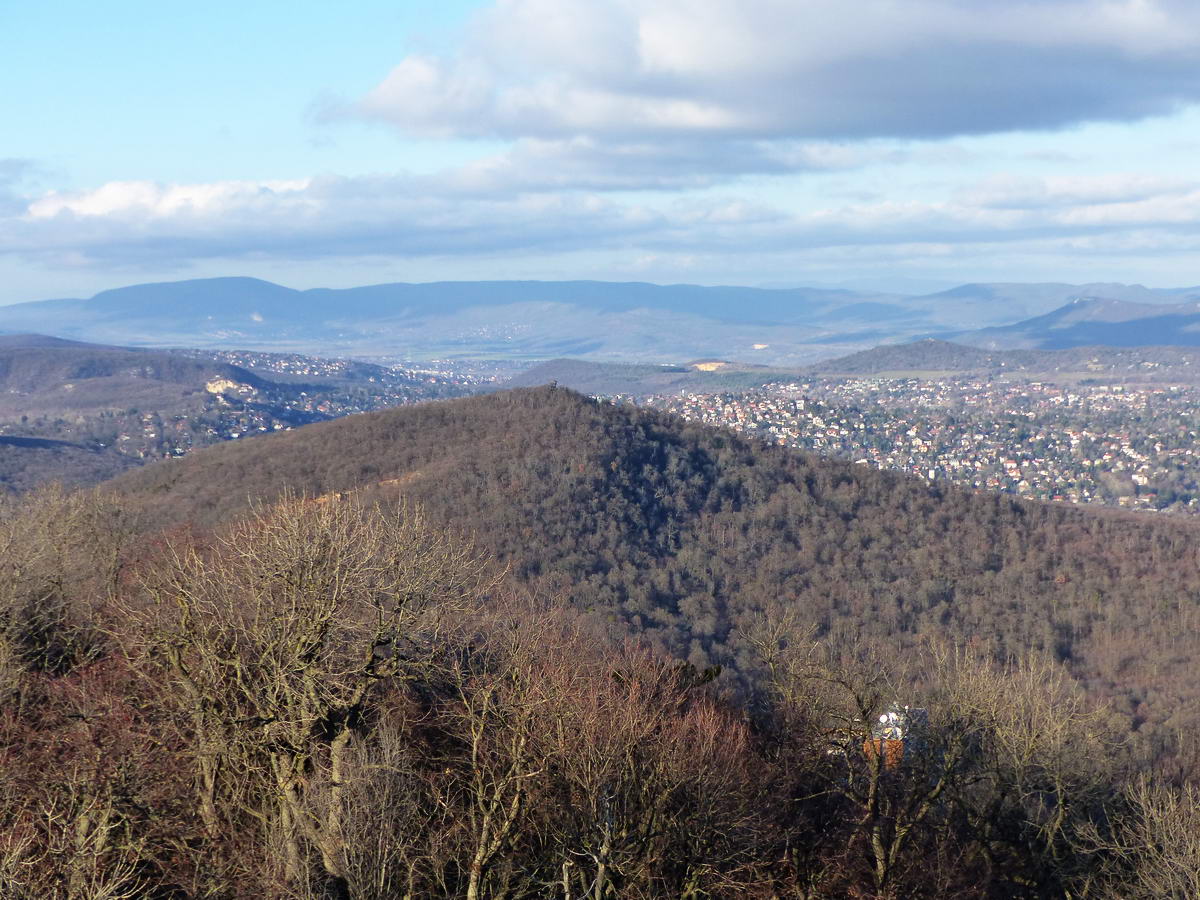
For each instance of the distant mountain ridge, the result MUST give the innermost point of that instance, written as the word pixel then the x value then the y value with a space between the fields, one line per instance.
pixel 1051 293
pixel 442 318
pixel 529 320
pixel 246 296
pixel 1097 321
pixel 933 355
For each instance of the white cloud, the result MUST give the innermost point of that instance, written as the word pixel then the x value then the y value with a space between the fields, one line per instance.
pixel 1007 191
pixel 585 163
pixel 811 69
pixel 142 199
pixel 140 223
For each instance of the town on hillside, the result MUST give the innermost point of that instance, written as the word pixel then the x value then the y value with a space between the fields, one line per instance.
pixel 1131 446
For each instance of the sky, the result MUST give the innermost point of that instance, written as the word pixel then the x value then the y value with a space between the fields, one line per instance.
pixel 887 144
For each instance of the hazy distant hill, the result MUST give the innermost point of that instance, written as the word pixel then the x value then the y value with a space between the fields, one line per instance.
pixel 502 319
pixel 933 355
pixel 610 379
pixel 45 341
pixel 246 297
pixel 1022 300
pixel 539 320
pixel 684 531
pixel 1091 321
pixel 929 355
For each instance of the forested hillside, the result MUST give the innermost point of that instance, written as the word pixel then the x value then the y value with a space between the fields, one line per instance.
pixel 26 462
pixel 436 652
pixel 685 532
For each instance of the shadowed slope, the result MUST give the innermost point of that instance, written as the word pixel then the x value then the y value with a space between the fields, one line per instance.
pixel 26 462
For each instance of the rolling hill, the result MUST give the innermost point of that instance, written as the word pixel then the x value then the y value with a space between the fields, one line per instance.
pixel 610 379
pixel 684 532
pixel 50 376
pixel 936 356
pixel 80 413
pixel 64 405
pixel 1096 321
pixel 534 320
pixel 446 319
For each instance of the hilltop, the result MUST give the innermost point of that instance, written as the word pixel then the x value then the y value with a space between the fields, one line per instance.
pixel 928 355
pixel 683 532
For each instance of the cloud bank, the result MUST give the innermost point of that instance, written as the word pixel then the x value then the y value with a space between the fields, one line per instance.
pixel 811 69
pixel 138 223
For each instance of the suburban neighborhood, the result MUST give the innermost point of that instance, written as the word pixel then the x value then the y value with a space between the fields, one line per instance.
pixel 1121 445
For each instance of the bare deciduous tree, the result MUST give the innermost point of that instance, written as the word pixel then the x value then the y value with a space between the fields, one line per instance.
pixel 1010 767
pixel 277 635
pixel 1153 848
pixel 60 560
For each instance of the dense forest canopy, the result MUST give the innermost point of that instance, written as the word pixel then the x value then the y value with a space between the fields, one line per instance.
pixel 683 532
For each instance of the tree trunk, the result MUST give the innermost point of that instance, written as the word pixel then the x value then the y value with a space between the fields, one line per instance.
pixel 332 839
pixel 477 863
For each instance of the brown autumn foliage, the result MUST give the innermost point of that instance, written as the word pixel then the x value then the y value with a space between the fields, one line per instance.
pixel 339 699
